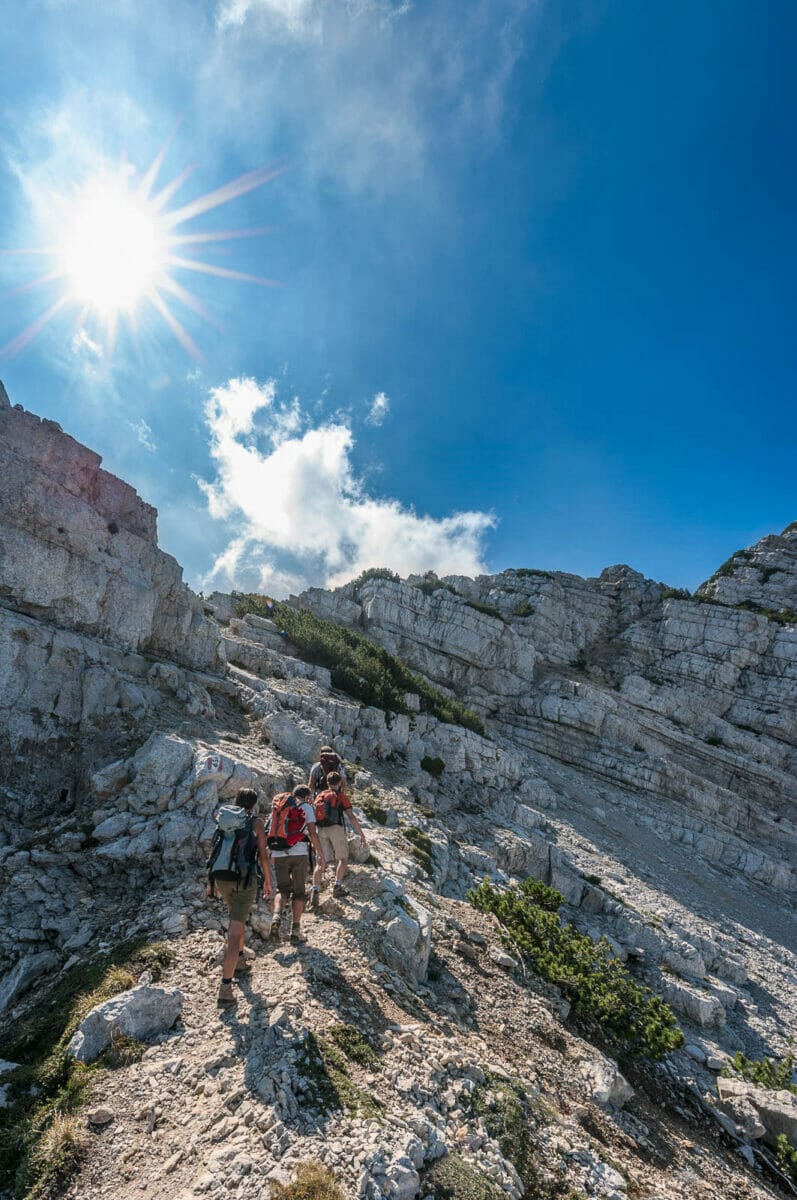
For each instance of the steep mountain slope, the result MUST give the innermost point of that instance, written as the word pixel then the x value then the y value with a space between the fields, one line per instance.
pixel 637 754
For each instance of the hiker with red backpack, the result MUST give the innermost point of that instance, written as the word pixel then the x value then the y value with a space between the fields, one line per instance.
pixel 328 761
pixel 332 809
pixel 291 830
pixel 238 862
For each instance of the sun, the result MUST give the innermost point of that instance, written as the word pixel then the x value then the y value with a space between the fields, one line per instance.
pixel 118 248
pixel 115 248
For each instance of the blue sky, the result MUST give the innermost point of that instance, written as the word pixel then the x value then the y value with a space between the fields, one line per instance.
pixel 537 268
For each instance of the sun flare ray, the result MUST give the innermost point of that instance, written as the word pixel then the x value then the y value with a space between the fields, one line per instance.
pixel 115 249
pixel 179 331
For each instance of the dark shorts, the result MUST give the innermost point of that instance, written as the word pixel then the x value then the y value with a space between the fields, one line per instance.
pixel 239 900
pixel 291 873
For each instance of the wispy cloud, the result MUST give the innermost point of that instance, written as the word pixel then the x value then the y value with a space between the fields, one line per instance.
pixel 397 89
pixel 293 18
pixel 82 343
pixel 298 512
pixel 144 434
pixel 380 407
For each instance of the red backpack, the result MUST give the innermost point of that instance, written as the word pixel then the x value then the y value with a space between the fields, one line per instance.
pixel 286 827
pixel 329 807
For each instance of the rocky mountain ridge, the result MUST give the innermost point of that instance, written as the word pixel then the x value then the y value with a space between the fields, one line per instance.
pixel 638 755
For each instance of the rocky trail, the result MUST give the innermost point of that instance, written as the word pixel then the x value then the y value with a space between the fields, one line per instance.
pixel 228 1101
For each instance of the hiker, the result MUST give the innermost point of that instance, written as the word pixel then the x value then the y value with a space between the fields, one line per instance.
pixel 291 828
pixel 332 808
pixel 238 860
pixel 328 761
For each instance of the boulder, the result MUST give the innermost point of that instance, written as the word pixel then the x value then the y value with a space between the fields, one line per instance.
pixel 776 1110
pixel 140 1013
pixel 606 1083
pixel 407 942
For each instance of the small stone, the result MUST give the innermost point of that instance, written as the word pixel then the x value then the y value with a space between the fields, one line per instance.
pixel 99 1116
pixel 172 1163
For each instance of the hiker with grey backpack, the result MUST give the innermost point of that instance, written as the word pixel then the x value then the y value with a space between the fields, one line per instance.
pixel 238 866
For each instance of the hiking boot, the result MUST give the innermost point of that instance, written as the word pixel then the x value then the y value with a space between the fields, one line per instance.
pixel 339 891
pixel 226 994
pixel 314 900
pixel 243 966
pixel 298 935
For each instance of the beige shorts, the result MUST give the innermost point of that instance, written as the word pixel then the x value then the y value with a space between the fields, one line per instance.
pixel 291 873
pixel 334 843
pixel 239 900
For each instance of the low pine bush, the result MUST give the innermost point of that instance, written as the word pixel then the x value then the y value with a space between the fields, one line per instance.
pixel 602 992
pixel 773 1073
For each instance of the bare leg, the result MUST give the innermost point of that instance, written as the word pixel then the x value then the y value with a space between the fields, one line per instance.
pixel 340 873
pixel 235 943
pixel 298 909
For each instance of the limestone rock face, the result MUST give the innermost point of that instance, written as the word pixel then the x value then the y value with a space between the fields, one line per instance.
pixel 78 548
pixel 664 695
pixel 763 576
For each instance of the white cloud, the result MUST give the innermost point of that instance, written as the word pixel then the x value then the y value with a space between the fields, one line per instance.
pixel 144 434
pixel 380 407
pixel 299 514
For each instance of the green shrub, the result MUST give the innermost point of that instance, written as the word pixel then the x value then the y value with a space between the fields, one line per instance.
pixel 671 593
pixel 731 564
pixel 373 811
pixel 313 1182
pixel 433 766
pixel 713 740
pixel 786 1157
pixel 375 573
pixel 359 667
pixel 771 1073
pixel 431 583
pixel 523 609
pixel 512 1117
pixel 488 609
pixel 601 990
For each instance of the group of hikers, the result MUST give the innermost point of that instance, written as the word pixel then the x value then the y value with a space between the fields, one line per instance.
pixel 306 826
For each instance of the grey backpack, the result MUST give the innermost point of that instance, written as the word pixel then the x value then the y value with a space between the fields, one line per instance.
pixel 234 846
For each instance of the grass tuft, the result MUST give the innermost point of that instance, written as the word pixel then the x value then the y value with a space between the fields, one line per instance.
pixel 421 847
pixel 313 1181
pixel 354 1045
pixel 453 1178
